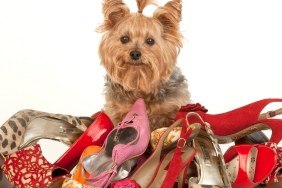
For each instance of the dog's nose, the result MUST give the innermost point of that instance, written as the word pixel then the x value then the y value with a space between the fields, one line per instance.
pixel 135 54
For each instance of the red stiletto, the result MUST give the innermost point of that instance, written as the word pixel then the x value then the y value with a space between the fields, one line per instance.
pixel 235 124
pixel 94 135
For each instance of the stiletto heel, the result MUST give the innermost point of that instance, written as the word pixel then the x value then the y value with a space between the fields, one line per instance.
pixel 233 125
pixel 26 127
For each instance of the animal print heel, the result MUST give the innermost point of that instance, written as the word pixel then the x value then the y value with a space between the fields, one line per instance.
pixel 28 126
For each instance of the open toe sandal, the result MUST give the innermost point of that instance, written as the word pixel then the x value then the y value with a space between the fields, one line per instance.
pixel 248 165
pixel 208 160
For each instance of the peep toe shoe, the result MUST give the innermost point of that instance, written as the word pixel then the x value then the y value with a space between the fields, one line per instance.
pixel 248 165
pixel 235 124
pixel 26 127
pixel 128 140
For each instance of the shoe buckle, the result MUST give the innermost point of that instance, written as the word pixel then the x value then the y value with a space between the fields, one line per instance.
pixel 271 113
pixel 181 143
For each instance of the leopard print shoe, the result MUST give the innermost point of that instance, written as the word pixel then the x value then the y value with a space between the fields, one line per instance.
pixel 26 127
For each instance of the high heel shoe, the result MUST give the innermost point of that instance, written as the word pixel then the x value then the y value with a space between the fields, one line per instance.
pixel 208 160
pixel 275 177
pixel 249 164
pixel 235 124
pixel 29 168
pixel 129 139
pixel 170 141
pixel 26 127
pixel 79 174
pixel 95 134
pixel 152 172
pixel 85 165
pixel 180 159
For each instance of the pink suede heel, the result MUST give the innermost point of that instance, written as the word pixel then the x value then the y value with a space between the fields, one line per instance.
pixel 128 140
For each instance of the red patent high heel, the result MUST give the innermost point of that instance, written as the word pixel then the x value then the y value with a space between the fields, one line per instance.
pixel 235 124
pixel 249 164
pixel 94 135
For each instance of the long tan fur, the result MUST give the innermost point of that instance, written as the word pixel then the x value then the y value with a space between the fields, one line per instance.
pixel 154 75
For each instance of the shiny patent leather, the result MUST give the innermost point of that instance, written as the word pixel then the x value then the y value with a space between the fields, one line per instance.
pixel 251 164
pixel 95 134
pixel 235 124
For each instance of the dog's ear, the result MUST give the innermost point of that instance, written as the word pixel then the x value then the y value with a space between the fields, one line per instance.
pixel 113 11
pixel 169 16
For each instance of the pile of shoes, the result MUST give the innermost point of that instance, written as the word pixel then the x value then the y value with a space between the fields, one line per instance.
pixel 129 154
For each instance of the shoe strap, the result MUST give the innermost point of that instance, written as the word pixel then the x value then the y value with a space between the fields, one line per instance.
pixel 270 114
pixel 218 151
pixel 176 163
pixel 104 179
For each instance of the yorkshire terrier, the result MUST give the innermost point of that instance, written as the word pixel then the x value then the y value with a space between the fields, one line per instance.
pixel 139 54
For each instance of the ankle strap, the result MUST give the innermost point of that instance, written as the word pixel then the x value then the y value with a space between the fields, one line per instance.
pixel 270 114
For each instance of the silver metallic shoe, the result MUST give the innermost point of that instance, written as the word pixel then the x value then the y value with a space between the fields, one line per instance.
pixel 26 127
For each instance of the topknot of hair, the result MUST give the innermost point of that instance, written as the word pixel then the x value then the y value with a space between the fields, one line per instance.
pixel 141 4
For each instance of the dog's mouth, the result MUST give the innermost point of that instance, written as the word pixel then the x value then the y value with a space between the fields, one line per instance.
pixel 135 63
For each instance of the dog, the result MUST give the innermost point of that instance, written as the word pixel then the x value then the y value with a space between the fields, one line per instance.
pixel 140 54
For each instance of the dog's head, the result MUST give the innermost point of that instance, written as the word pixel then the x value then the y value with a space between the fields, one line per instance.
pixel 140 52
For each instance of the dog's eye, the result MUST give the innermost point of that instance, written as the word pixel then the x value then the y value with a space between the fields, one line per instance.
pixel 150 41
pixel 124 39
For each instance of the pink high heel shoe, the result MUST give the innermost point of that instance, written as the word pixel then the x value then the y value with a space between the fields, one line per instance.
pixel 128 140
pixel 235 124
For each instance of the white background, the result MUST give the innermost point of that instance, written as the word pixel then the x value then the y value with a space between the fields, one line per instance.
pixel 232 55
